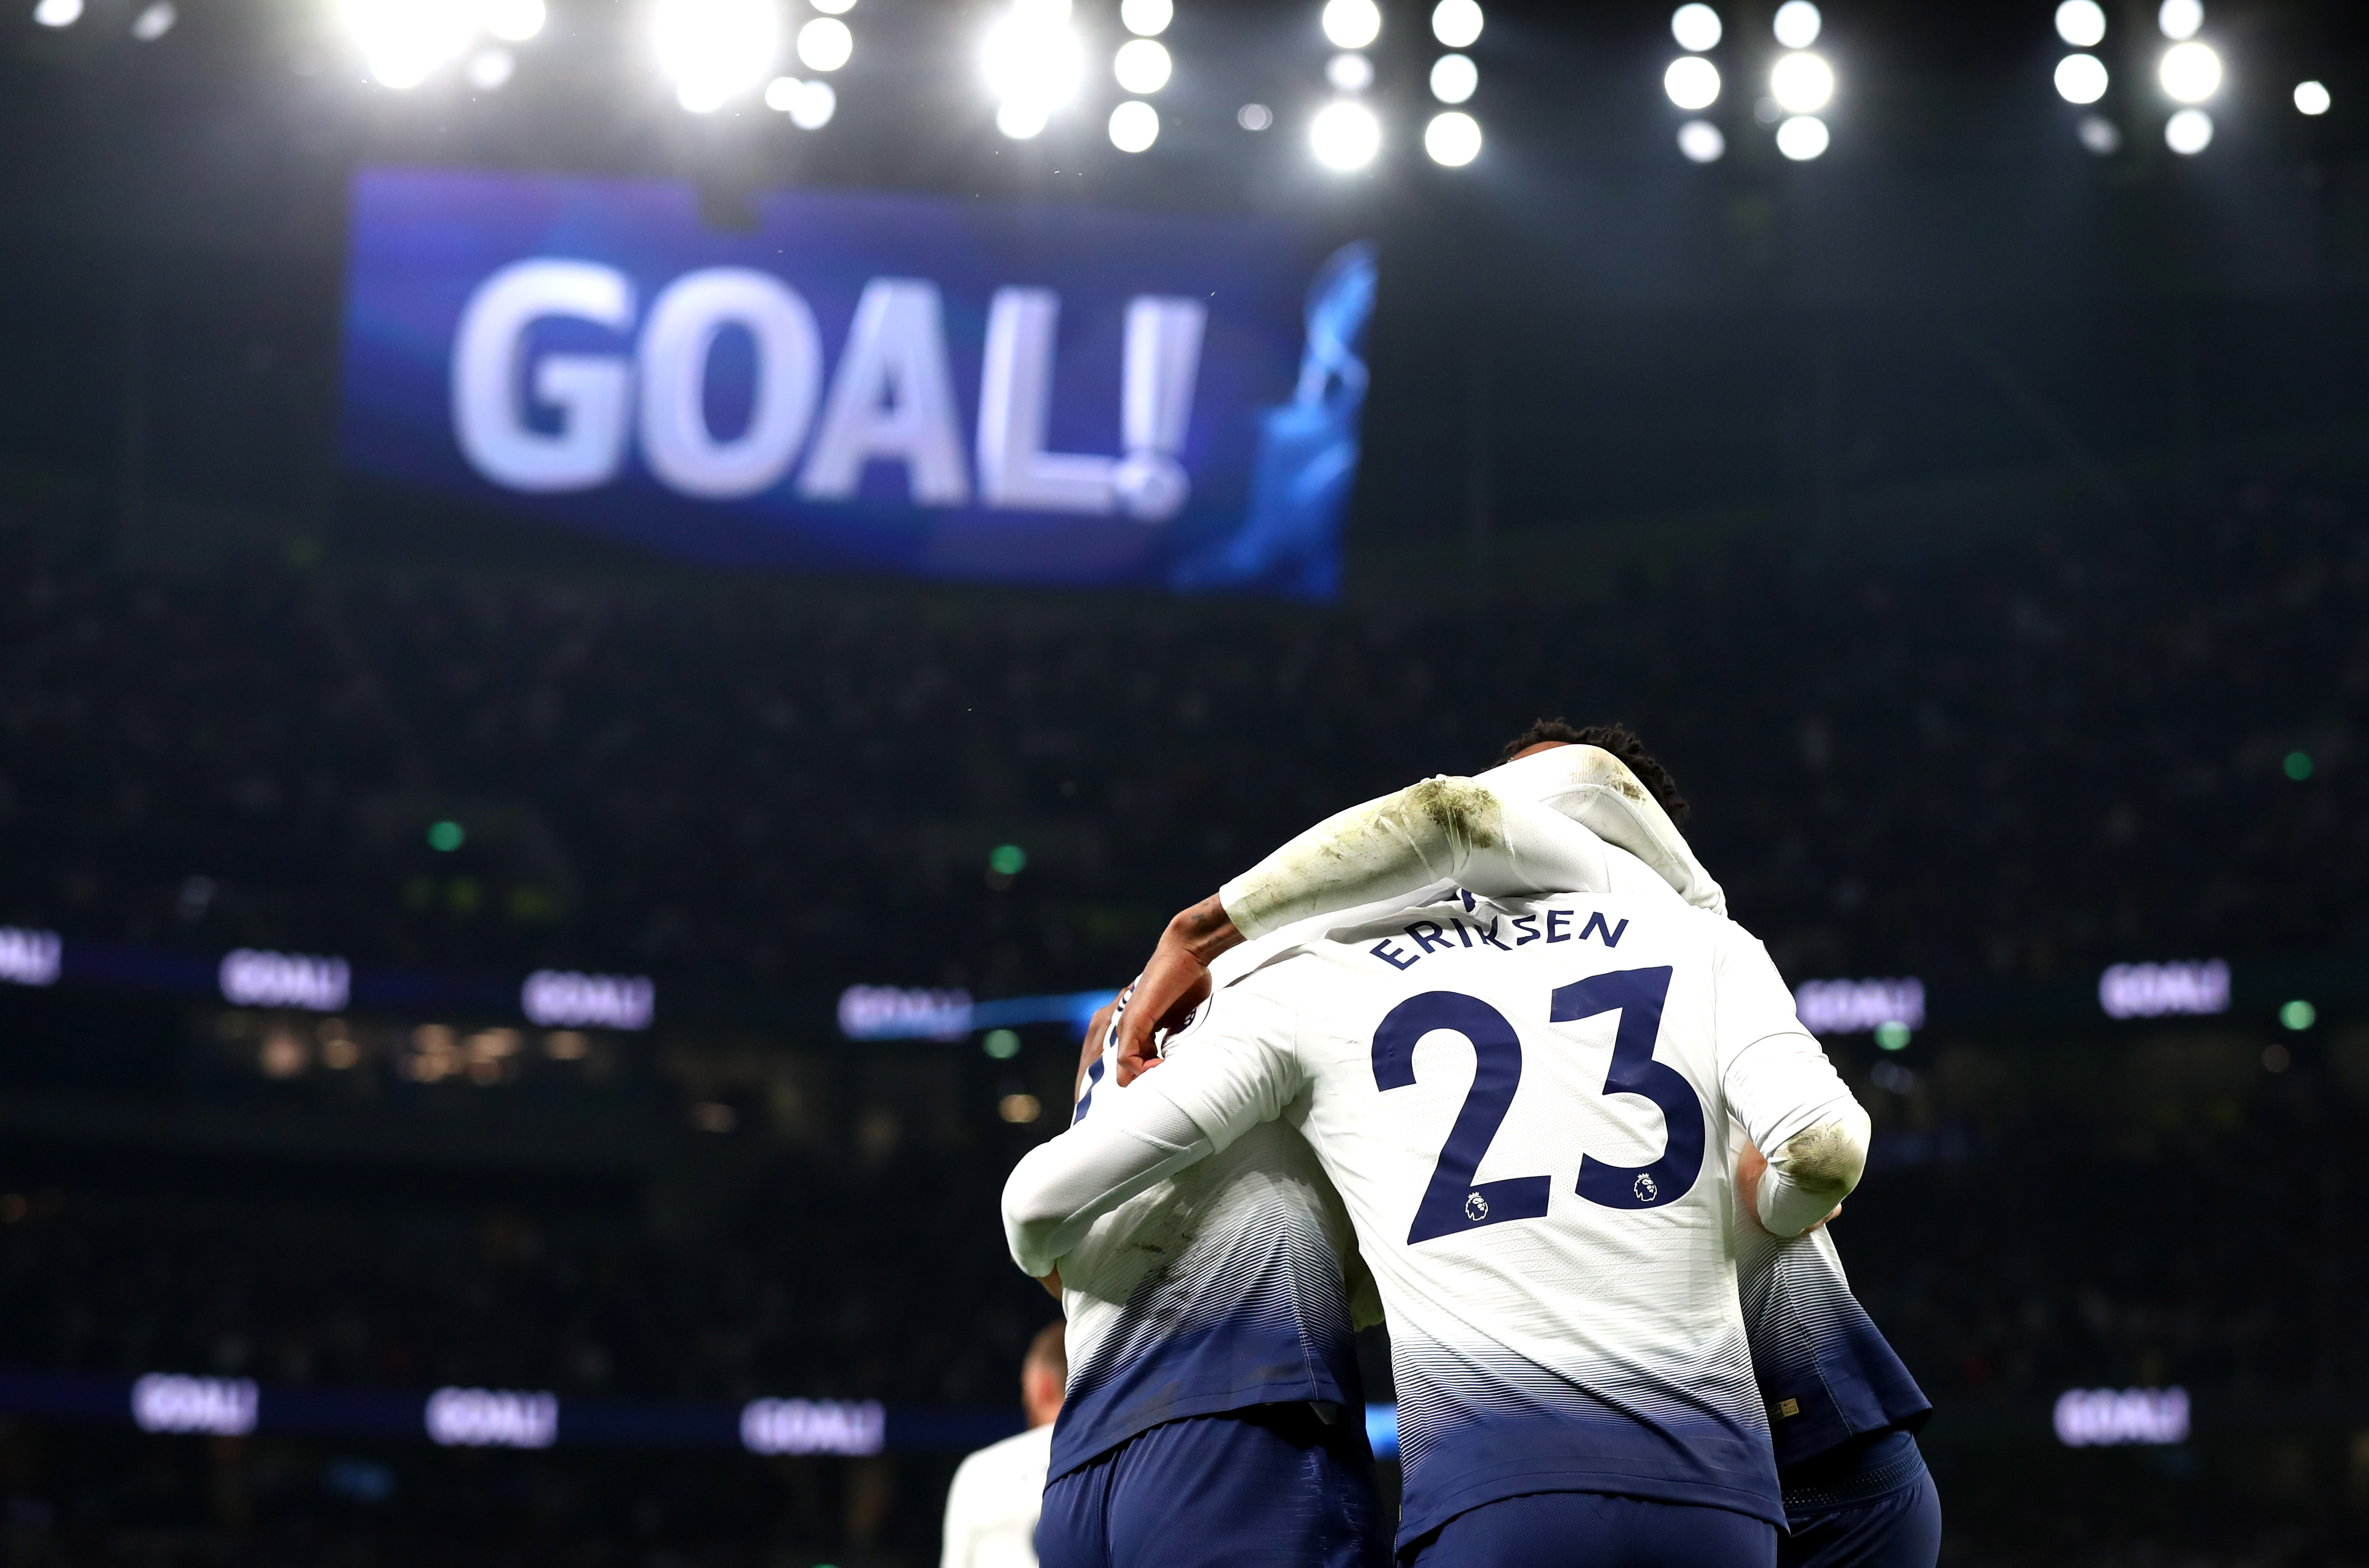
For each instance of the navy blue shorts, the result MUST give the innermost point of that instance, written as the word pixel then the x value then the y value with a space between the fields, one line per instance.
pixel 1877 1509
pixel 1270 1485
pixel 1597 1530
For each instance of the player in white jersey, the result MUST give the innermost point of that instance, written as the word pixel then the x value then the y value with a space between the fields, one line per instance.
pixel 991 1507
pixel 1842 1406
pixel 1525 1102
pixel 1214 1414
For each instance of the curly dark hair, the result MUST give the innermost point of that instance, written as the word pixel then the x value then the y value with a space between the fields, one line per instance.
pixel 1618 739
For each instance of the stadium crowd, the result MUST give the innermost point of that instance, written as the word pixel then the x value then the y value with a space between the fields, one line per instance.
pixel 701 780
pixel 2139 740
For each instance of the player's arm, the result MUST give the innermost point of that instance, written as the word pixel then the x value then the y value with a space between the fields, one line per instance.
pixel 1780 1085
pixel 1442 829
pixel 1240 1071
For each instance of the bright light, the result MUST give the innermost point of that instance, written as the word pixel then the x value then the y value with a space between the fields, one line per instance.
pixel 1147 18
pixel 58 13
pixel 714 49
pixel 2080 79
pixel 834 7
pixel 1453 139
pixel 2101 135
pixel 1141 65
pixel 1454 78
pixel 403 40
pixel 1033 65
pixel 2298 1014
pixel 1344 135
pixel 491 69
pixel 1692 81
pixel 2082 23
pixel 809 105
pixel 1020 119
pixel 825 43
pixel 1797 24
pixel 2311 97
pixel 1456 23
pixel 1801 83
pixel 1134 126
pixel 2180 18
pixel 155 22
pixel 1352 24
pixel 1696 26
pixel 2190 72
pixel 2188 132
pixel 514 21
pixel 1349 72
pixel 1701 141
pixel 1254 116
pixel 1802 138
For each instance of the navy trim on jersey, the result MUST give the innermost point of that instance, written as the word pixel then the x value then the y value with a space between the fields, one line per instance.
pixel 1470 1458
pixel 1249 1358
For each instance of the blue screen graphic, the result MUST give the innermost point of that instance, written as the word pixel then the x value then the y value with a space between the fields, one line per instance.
pixel 889 383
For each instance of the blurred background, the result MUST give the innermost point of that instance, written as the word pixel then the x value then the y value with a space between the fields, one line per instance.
pixel 518 994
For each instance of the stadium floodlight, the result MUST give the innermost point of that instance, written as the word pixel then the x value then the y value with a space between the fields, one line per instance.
pixel 1141 65
pixel 2190 72
pixel 1801 137
pixel 2180 19
pixel 833 7
pixel 491 69
pixel 1352 24
pixel 1701 142
pixel 403 40
pixel 1349 71
pixel 809 105
pixel 2082 23
pixel 1456 23
pixel 1020 119
pixel 1134 126
pixel 825 44
pixel 2101 135
pixel 1344 135
pixel 514 21
pixel 1692 81
pixel 58 13
pixel 1454 78
pixel 1797 24
pixel 1696 26
pixel 2188 132
pixel 1801 83
pixel 2311 97
pixel 2081 78
pixel 155 22
pixel 1147 18
pixel 714 49
pixel 1453 139
pixel 1033 64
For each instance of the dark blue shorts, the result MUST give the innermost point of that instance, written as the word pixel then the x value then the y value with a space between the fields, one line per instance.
pixel 1597 1530
pixel 1877 1509
pixel 1270 1485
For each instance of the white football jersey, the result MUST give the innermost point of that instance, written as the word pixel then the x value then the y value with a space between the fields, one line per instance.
pixel 1225 1286
pixel 1525 1104
pixel 993 1506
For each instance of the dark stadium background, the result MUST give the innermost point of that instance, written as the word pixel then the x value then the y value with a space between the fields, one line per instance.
pixel 1975 527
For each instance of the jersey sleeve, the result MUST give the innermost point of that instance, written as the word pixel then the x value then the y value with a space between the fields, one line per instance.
pixel 1442 829
pixel 1778 1081
pixel 1237 1065
pixel 1230 1070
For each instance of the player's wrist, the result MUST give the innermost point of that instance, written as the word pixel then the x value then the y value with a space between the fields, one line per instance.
pixel 1203 932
